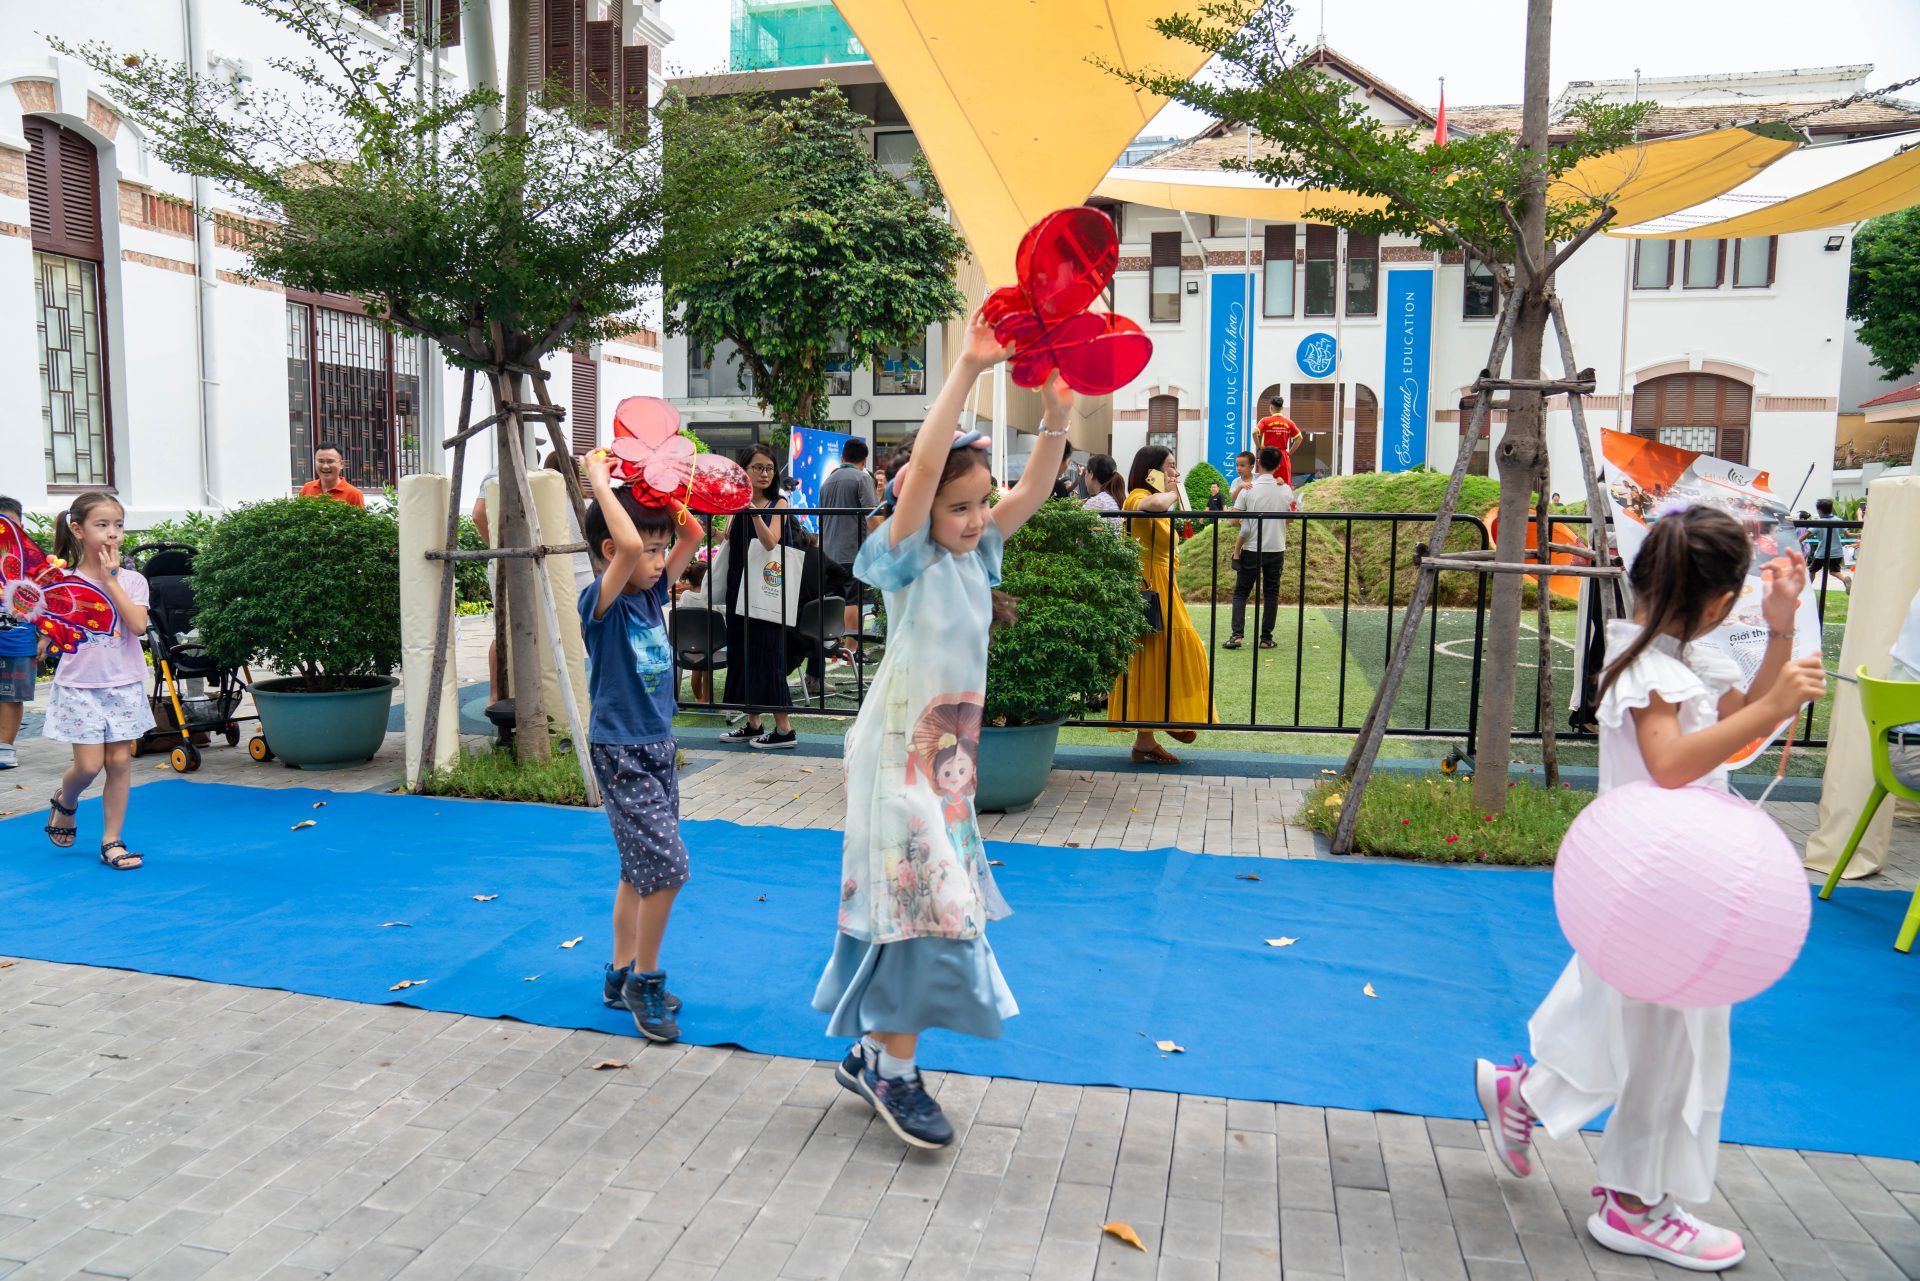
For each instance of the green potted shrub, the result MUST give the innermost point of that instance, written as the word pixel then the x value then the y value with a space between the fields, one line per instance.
pixel 310 589
pixel 1078 621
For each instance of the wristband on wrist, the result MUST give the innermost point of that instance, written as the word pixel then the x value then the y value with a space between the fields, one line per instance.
pixel 1772 634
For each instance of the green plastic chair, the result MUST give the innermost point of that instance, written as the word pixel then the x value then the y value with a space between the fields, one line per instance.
pixel 1885 704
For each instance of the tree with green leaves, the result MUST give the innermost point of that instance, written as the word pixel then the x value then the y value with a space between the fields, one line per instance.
pixel 1883 293
pixel 1486 196
pixel 855 262
pixel 500 235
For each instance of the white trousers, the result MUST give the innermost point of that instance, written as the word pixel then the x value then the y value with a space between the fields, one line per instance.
pixel 1662 1070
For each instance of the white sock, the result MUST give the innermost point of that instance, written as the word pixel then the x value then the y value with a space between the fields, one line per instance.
pixel 893 1069
pixel 871 1049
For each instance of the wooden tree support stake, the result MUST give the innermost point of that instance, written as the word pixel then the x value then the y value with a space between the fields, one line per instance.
pixel 1366 748
pixel 443 619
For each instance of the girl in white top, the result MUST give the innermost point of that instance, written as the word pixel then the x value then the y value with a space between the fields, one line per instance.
pixel 1670 715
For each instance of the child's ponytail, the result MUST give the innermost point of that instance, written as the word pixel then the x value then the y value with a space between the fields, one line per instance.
pixel 1689 558
pixel 66 544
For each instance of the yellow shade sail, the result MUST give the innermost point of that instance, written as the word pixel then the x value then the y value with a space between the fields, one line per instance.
pixel 1815 188
pixel 1651 179
pixel 1648 179
pixel 1225 194
pixel 1014 119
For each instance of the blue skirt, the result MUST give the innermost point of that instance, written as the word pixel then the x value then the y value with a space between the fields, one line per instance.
pixel 914 985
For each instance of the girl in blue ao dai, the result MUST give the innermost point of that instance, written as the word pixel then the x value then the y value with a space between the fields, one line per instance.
pixel 915 890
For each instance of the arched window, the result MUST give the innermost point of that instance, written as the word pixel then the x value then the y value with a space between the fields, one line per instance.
pixel 1703 412
pixel 1366 428
pixel 1163 421
pixel 63 199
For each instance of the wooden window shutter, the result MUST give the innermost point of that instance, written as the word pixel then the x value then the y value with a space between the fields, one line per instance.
pixel 1646 409
pixel 1733 444
pixel 635 92
pixel 584 417
pixel 1366 430
pixel 562 41
pixel 39 177
pixel 1310 405
pixel 536 48
pixel 1280 243
pixel 63 190
pixel 599 66
pixel 450 23
pixel 1362 245
pixel 1163 414
pixel 1322 242
pixel 1166 249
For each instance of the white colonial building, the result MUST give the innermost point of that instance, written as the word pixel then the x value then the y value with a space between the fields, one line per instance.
pixel 135 356
pixel 1732 347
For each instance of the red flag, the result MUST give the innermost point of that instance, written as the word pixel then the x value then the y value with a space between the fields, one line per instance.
pixel 1440 122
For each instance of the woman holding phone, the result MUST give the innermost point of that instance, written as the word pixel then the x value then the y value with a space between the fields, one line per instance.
pixel 1166 680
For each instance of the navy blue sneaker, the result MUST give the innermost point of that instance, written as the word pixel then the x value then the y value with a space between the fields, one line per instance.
pixel 616 980
pixel 646 996
pixel 851 1073
pixel 909 1111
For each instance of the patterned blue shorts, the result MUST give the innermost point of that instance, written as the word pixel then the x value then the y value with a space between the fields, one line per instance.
pixel 640 789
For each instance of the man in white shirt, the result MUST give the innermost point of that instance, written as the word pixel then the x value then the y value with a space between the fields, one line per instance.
pixel 1903 747
pixel 1261 546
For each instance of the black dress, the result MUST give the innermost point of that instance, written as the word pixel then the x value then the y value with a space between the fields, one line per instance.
pixel 756 650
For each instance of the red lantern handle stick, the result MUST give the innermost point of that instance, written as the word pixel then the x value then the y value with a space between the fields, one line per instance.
pixel 1786 750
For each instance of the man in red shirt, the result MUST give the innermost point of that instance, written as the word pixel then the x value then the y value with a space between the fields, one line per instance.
pixel 1277 431
pixel 328 482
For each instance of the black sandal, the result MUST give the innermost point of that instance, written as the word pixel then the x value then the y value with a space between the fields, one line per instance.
pixel 125 861
pixel 54 832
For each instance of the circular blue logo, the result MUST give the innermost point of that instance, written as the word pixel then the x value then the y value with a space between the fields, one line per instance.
pixel 1317 355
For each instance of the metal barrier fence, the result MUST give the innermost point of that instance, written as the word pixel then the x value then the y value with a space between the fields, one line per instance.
pixel 1344 578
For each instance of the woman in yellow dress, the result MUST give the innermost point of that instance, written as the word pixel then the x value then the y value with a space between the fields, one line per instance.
pixel 1167 678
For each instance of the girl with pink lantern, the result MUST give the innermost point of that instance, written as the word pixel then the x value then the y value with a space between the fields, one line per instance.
pixel 1679 899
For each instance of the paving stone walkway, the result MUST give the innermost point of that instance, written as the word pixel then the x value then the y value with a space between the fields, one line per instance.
pixel 155 1127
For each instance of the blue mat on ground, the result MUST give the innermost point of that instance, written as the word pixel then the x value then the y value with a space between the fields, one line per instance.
pixel 1108 953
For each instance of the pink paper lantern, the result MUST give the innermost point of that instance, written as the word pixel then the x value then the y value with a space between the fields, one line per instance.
pixel 1682 896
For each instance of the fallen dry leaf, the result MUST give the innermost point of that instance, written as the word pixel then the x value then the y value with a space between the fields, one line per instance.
pixel 1334 802
pixel 1245 876
pixel 305 822
pixel 994 862
pixel 761 899
pixel 530 978
pixel 1168 1047
pixel 319 805
pixel 1125 1232
pixel 570 942
pixel 806 769
pixel 605 1065
pixel 1368 991
pixel 404 984
pixel 405 925
pixel 1073 845
pixel 485 898
pixel 6 965
pixel 1283 941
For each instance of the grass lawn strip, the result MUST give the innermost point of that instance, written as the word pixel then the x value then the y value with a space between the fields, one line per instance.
pixel 1433 818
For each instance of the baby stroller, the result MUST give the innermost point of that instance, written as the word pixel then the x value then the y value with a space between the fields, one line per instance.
pixel 192 697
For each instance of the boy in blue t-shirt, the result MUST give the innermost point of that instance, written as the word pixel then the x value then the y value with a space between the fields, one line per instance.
pixel 630 679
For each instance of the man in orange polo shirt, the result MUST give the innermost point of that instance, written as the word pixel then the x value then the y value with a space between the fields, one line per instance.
pixel 327 481
pixel 1277 431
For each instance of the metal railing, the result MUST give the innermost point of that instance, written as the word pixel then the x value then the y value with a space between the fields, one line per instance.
pixel 1343 575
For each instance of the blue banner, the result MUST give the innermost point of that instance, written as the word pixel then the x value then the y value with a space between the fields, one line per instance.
pixel 1405 407
pixel 1229 351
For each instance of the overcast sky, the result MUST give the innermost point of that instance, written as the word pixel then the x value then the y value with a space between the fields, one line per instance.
pixel 1409 44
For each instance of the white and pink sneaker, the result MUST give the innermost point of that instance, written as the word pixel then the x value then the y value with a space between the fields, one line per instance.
pixel 1666 1231
pixel 1507 1113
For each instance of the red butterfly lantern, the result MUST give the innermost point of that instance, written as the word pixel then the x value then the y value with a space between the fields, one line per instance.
pixel 1065 262
pixel 36 592
pixel 661 467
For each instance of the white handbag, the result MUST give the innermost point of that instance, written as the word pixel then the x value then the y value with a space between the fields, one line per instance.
pixel 770 587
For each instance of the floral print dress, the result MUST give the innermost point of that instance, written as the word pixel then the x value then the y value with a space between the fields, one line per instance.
pixel 915 890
